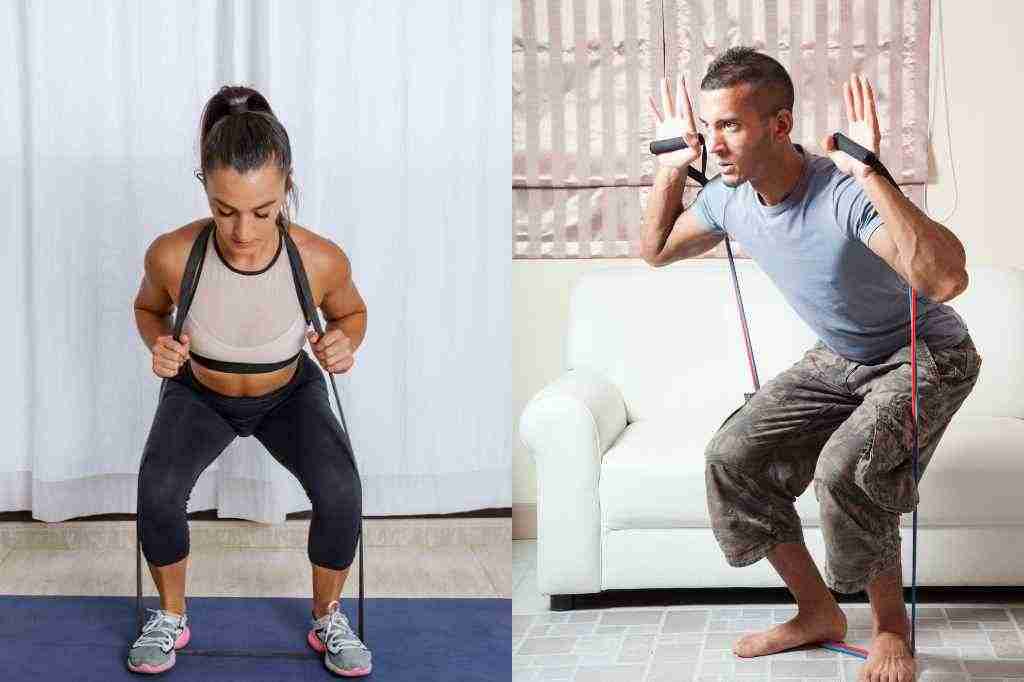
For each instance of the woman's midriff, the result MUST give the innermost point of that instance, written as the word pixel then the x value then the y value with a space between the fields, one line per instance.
pixel 243 385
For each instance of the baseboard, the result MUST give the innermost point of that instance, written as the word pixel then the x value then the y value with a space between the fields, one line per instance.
pixel 292 534
pixel 524 521
pixel 213 515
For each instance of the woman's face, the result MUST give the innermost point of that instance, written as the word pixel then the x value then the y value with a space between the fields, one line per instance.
pixel 245 207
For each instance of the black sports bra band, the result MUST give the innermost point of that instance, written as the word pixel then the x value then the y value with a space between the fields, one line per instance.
pixel 242 367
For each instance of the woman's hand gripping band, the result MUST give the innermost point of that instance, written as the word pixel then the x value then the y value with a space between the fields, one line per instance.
pixel 169 355
pixel 333 351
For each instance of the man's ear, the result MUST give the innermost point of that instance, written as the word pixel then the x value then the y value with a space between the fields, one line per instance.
pixel 783 124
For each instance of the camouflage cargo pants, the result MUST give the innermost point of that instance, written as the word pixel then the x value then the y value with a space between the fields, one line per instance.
pixel 847 427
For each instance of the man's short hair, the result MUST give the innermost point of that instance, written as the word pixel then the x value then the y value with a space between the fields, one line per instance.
pixel 771 85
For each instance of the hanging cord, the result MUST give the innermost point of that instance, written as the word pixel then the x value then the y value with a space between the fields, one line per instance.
pixel 702 179
pixel 913 394
pixel 941 72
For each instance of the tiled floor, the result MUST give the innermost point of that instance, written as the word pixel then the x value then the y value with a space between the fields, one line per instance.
pixel 688 643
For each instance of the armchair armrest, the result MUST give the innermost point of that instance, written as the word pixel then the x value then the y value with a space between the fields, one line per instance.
pixel 567 427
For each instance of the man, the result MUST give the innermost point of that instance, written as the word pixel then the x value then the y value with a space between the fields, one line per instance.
pixel 842 245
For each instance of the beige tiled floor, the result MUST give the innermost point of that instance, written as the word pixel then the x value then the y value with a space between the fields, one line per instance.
pixel 687 643
pixel 435 559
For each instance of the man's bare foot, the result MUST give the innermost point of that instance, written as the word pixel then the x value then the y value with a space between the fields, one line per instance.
pixel 889 660
pixel 814 625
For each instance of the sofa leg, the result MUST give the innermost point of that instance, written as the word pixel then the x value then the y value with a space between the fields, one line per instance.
pixel 562 602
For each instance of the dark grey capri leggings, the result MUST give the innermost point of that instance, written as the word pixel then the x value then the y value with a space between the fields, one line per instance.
pixel 194 424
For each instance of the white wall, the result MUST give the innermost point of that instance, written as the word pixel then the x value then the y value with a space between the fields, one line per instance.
pixel 984 60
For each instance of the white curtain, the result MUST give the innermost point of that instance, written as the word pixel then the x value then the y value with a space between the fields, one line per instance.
pixel 399 119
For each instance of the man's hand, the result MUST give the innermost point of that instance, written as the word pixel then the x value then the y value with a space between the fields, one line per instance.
pixel 333 351
pixel 860 112
pixel 677 122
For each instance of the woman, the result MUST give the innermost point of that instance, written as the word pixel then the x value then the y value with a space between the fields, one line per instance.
pixel 240 369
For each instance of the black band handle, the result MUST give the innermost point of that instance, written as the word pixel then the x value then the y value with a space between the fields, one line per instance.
pixel 669 144
pixel 862 154
pixel 672 144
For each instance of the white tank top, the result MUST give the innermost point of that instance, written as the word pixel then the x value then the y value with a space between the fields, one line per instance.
pixel 247 317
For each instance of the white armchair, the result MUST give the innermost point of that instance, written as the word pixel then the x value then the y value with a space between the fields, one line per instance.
pixel 573 421
pixel 655 362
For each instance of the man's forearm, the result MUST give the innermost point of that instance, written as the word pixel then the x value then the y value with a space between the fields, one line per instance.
pixel 664 205
pixel 932 256
pixel 353 326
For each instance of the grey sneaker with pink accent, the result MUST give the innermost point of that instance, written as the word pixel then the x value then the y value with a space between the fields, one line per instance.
pixel 162 635
pixel 343 653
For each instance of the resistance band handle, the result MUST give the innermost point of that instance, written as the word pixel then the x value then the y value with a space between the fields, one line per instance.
pixel 669 144
pixel 862 154
pixel 672 144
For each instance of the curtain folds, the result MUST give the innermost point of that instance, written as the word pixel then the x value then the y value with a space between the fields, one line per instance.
pixel 583 69
pixel 397 114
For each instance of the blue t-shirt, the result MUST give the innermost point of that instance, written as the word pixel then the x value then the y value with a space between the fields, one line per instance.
pixel 813 246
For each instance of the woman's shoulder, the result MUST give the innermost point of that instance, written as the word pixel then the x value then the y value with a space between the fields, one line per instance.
pixel 307 239
pixel 317 250
pixel 167 255
pixel 178 242
pixel 324 260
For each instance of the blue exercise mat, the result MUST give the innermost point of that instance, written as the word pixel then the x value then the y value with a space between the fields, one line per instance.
pixel 87 638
